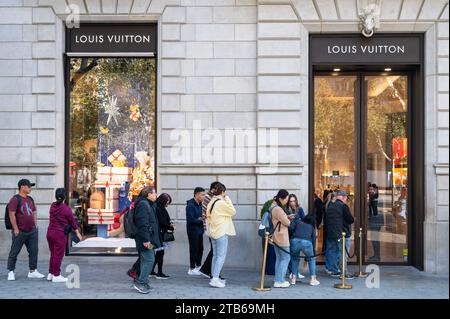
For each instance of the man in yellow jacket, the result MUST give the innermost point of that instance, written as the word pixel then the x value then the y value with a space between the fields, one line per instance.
pixel 219 223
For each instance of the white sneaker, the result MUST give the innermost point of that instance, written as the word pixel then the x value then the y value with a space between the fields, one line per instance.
pixel 314 282
pixel 49 277
pixel 292 280
pixel 283 284
pixel 35 275
pixel 217 283
pixel 11 276
pixel 300 276
pixel 194 272
pixel 59 279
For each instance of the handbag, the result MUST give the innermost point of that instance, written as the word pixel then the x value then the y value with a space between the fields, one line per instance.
pixel 168 236
pixel 67 228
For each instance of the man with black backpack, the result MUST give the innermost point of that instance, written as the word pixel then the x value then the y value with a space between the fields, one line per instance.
pixel 147 236
pixel 21 219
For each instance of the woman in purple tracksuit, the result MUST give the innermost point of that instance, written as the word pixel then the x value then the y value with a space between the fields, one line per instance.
pixel 61 216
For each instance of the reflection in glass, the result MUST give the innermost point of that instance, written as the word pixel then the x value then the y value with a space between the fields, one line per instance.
pixel 387 168
pixel 112 145
pixel 334 139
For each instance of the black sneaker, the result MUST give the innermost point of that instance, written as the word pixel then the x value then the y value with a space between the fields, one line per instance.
pixel 153 275
pixel 335 274
pixel 348 277
pixel 162 276
pixel 220 277
pixel 142 288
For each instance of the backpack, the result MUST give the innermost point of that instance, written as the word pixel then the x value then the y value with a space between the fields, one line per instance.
pixel 266 224
pixel 128 222
pixel 8 224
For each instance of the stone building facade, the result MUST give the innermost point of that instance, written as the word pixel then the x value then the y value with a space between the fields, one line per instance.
pixel 230 64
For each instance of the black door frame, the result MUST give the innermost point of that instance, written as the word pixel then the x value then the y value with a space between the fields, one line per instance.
pixel 416 130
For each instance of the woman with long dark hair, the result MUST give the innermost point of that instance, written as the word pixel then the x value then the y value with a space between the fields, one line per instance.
pixel 62 223
pixel 165 226
pixel 280 237
pixel 294 207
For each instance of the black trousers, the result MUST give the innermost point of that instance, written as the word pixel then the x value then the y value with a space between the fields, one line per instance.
pixel 30 240
pixel 159 259
pixel 195 250
pixel 207 264
pixel 136 266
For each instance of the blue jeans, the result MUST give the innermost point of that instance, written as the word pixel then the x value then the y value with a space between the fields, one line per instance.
pixel 220 247
pixel 281 263
pixel 347 245
pixel 302 245
pixel 147 259
pixel 331 255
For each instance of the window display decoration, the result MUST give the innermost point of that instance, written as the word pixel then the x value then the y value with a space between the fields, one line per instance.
pixel 97 200
pixel 142 174
pixel 135 114
pixel 117 159
pixel 112 110
pixel 112 141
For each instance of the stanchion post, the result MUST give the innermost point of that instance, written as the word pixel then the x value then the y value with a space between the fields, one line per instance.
pixel 263 270
pixel 360 273
pixel 342 285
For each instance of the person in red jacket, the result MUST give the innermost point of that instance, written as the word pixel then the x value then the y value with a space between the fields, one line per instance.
pixel 61 217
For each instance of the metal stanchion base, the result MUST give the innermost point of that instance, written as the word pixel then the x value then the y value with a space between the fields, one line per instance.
pixel 361 274
pixel 341 286
pixel 262 289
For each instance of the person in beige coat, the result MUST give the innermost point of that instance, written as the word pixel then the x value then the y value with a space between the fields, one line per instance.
pixel 280 238
pixel 219 214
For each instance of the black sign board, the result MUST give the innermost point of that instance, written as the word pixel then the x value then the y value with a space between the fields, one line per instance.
pixel 358 49
pixel 112 38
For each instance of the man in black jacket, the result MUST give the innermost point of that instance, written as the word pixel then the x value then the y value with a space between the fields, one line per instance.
pixel 147 237
pixel 194 227
pixel 338 219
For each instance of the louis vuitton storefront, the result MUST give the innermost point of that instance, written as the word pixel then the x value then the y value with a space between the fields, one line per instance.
pixel 258 95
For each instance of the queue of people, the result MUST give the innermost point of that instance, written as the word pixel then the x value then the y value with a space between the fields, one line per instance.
pixel 208 212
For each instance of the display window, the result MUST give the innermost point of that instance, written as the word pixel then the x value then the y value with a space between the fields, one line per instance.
pixel 111 145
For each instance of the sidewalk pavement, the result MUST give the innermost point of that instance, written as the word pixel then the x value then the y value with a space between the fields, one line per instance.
pixel 105 278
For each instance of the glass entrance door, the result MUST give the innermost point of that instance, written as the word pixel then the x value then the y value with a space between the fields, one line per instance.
pixel 386 168
pixel 335 100
pixel 360 145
